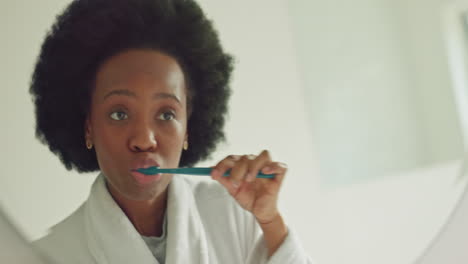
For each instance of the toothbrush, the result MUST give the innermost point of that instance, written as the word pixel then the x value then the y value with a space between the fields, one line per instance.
pixel 192 171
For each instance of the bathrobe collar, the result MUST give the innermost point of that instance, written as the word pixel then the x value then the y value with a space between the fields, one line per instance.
pixel 112 238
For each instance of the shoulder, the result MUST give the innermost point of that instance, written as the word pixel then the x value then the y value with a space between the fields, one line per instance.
pixel 65 240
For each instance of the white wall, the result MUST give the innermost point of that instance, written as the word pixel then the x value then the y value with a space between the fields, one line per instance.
pixel 450 244
pixel 377 70
pixel 35 188
pixel 424 31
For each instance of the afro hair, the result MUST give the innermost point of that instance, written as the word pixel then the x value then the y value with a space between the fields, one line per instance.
pixel 89 32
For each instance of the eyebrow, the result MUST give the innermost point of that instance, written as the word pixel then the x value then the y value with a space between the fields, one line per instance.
pixel 132 94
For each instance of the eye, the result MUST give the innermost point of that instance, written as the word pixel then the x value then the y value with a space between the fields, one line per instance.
pixel 167 116
pixel 118 115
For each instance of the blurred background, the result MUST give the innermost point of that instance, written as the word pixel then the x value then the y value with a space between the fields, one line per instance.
pixel 365 100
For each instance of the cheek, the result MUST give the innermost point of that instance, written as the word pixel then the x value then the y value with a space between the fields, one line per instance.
pixel 171 140
pixel 109 142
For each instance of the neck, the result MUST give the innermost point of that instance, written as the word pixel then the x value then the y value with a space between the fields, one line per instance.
pixel 146 216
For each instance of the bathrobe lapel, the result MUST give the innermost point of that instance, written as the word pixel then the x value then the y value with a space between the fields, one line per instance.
pixel 186 241
pixel 113 239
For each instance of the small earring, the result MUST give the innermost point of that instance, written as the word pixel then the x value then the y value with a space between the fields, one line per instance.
pixel 89 144
pixel 185 145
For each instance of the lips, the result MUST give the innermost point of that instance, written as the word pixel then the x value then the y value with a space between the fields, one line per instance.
pixel 144 179
pixel 144 163
pixel 141 178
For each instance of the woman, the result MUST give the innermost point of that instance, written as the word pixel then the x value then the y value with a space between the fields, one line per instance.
pixel 127 84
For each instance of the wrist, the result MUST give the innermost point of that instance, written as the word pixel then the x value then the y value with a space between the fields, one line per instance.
pixel 269 221
pixel 275 225
pixel 274 232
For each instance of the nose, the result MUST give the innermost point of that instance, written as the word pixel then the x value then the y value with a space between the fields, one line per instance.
pixel 143 139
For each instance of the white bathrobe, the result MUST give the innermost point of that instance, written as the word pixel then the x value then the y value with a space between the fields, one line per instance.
pixel 205 225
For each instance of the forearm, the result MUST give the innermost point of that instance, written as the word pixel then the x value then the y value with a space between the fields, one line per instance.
pixel 274 233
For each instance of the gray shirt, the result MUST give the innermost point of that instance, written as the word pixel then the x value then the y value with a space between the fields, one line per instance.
pixel 157 245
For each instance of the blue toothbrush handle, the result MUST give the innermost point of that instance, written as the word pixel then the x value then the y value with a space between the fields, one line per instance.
pixel 259 175
pixel 194 171
pixel 207 171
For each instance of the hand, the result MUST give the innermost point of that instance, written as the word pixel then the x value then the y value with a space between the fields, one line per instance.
pixel 256 195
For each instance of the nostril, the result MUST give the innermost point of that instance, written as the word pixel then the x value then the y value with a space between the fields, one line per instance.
pixel 143 140
pixel 144 147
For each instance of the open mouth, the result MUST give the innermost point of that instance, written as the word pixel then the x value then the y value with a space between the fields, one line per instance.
pixel 148 171
pixel 145 176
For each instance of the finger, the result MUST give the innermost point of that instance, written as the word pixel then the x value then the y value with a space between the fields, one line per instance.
pixel 218 171
pixel 226 182
pixel 261 161
pixel 221 168
pixel 239 171
pixel 279 169
pixel 233 157
pixel 227 162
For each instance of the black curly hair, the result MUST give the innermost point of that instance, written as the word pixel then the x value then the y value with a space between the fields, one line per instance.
pixel 89 32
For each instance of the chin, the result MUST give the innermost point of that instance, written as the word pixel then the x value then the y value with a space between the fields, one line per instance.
pixel 145 193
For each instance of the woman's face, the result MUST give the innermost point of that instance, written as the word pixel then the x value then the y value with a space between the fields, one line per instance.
pixel 138 119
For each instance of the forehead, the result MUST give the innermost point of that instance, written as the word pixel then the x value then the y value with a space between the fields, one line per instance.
pixel 130 68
